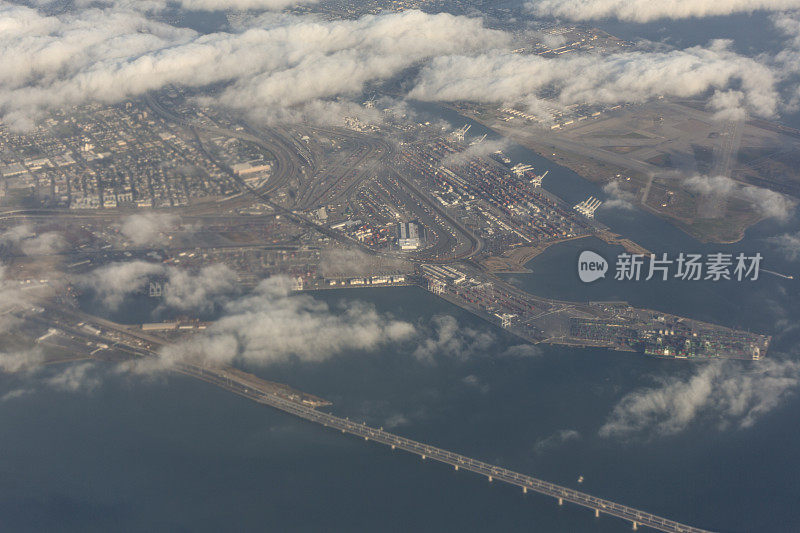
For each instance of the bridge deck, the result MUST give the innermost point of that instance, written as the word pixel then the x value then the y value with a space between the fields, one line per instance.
pixel 426 451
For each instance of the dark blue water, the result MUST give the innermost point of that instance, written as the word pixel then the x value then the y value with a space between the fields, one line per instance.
pixel 178 455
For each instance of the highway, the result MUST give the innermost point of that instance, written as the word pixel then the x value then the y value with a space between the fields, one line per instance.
pixel 460 462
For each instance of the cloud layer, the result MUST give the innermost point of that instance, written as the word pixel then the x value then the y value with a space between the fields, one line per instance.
pixel 723 394
pixel 149 6
pixel 648 10
pixel 29 243
pixel 279 61
pixel 503 77
pixel 270 326
pixel 183 290
pixel 285 67
pixel 147 229
pixel 770 204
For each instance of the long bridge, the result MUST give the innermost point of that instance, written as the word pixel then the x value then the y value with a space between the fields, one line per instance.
pixel 248 386
pixel 305 406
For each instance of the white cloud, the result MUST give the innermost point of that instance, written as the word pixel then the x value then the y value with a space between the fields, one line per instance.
pixel 475 382
pixel 147 229
pixel 76 377
pixel 396 421
pixel 113 282
pixel 148 6
pixel 107 55
pixel 769 203
pixel 648 10
pixel 16 234
pixel 788 25
pixel 14 361
pixel 24 237
pixel 44 244
pixel 199 290
pixel 12 298
pixel 14 394
pixel 721 394
pixel 788 244
pixel 523 350
pixel 556 439
pixel 216 5
pixel 183 289
pixel 503 77
pixel 449 339
pixel 473 151
pixel 354 262
pixel 270 325
pixel 619 198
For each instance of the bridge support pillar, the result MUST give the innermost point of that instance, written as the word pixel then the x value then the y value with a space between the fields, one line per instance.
pixel 635 526
pixel 597 513
pixel 561 501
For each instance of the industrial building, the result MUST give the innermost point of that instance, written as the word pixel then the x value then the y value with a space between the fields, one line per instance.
pixel 409 236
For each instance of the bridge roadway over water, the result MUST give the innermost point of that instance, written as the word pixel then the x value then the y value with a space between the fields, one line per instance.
pixel 426 451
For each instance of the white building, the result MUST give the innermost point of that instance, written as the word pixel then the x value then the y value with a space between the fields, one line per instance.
pixel 409 236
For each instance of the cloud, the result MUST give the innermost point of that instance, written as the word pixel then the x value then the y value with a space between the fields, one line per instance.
pixel 788 243
pixel 354 262
pixel 146 229
pixel 396 421
pixel 17 360
pixel 278 61
pixel 721 394
pixel 44 244
pixel 503 77
pixel 475 382
pixel 150 6
pixel 16 234
pixel 199 290
pixel 618 198
pixel 14 394
pixel 555 440
pixel 113 282
pixel 449 339
pixel 184 290
pixel 25 238
pixel 76 378
pixel 475 151
pixel 788 25
pixel 271 326
pixel 12 299
pixel 217 5
pixel 647 10
pixel 770 204
pixel 72 377
pixel 522 350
